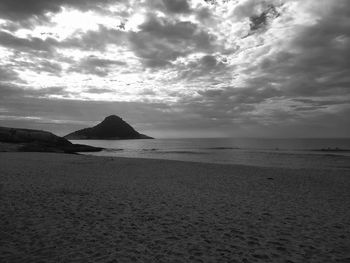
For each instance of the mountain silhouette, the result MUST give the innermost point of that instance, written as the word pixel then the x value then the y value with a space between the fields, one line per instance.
pixel 111 128
pixel 28 140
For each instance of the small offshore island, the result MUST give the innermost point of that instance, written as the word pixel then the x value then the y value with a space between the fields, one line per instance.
pixel 111 128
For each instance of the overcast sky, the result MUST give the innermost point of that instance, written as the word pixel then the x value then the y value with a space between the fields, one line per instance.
pixel 178 68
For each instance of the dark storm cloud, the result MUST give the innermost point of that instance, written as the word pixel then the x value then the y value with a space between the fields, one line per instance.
pixel 46 48
pixel 17 10
pixel 260 21
pixel 209 61
pixel 37 64
pixel 13 91
pixel 30 53
pixel 97 66
pixel 26 44
pixel 47 66
pixel 7 74
pixel 203 14
pixel 207 66
pixel 177 6
pixel 95 39
pixel 169 7
pixel 161 41
pixel 315 64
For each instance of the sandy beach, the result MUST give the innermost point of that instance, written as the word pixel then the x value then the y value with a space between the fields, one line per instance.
pixel 75 208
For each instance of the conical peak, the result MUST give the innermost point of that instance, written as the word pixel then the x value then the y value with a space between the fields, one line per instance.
pixel 112 118
pixel 112 127
pixel 113 122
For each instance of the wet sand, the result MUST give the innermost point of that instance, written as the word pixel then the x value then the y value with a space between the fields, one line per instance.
pixel 71 208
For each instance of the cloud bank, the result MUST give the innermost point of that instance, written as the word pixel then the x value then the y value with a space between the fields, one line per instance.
pixel 178 68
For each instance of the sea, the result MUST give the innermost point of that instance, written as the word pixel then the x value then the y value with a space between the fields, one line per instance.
pixel 289 153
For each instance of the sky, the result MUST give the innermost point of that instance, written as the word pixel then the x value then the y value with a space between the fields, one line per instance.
pixel 177 68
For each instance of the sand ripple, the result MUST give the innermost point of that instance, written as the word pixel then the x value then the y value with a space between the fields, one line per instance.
pixel 64 208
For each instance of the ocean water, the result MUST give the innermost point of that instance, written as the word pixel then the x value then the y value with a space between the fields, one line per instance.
pixel 291 153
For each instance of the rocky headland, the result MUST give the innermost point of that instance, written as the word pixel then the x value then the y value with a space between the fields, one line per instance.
pixel 28 140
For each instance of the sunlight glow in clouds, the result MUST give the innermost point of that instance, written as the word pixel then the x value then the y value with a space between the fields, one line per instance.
pixel 228 64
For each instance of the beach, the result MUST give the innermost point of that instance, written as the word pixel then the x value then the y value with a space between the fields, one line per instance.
pixel 76 208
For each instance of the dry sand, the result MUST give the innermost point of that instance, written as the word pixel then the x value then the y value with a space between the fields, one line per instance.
pixel 70 208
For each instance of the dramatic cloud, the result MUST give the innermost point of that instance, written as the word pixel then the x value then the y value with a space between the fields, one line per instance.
pixel 7 74
pixel 177 6
pixel 97 66
pixel 25 44
pixel 161 41
pixel 19 10
pixel 261 20
pixel 177 67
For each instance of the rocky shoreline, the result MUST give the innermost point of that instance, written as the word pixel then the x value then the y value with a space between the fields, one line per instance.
pixel 27 140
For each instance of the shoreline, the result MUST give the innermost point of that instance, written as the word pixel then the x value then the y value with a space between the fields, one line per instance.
pixel 63 207
pixel 282 165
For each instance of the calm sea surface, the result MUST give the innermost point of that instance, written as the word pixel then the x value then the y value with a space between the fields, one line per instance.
pixel 293 153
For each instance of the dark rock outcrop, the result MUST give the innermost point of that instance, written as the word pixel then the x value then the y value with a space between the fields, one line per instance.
pixel 111 128
pixel 28 140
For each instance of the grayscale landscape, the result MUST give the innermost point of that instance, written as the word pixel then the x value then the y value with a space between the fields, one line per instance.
pixel 175 131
